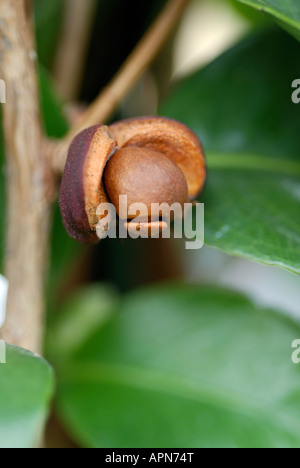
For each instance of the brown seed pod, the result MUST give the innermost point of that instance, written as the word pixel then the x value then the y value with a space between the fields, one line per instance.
pixel 149 159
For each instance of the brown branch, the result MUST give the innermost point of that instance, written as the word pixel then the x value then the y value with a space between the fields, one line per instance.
pixel 71 54
pixel 28 210
pixel 109 99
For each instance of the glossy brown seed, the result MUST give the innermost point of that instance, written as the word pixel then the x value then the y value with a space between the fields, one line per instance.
pixel 145 176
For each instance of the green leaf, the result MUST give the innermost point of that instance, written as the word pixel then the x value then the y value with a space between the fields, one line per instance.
pixel 54 119
pixel 86 311
pixel 183 366
pixel 240 106
pixel 286 13
pixel 26 385
pixel 253 16
pixel 48 19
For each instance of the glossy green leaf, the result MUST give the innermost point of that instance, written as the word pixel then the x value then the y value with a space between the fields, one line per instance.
pixel 183 366
pixel 26 385
pixel 285 12
pixel 251 15
pixel 241 108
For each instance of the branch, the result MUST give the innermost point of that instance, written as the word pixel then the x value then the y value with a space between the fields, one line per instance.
pixel 70 58
pixel 110 98
pixel 28 218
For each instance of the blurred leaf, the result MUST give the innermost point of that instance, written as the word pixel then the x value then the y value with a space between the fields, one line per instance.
pixel 252 15
pixel 182 366
pixel 241 108
pixel 54 120
pixel 26 385
pixel 286 13
pixel 48 16
pixel 84 313
pixel 65 253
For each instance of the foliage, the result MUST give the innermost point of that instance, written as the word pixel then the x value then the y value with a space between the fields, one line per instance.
pixel 26 385
pixel 248 125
